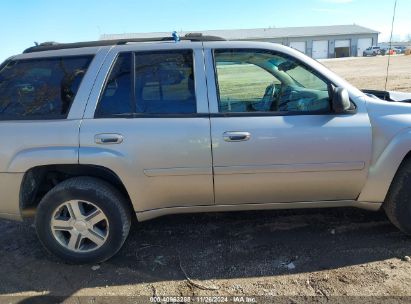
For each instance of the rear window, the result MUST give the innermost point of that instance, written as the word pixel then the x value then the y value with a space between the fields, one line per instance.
pixel 40 88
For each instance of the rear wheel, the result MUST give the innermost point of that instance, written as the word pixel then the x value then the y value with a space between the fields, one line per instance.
pixel 397 204
pixel 83 220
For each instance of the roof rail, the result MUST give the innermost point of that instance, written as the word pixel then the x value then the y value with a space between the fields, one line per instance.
pixel 50 46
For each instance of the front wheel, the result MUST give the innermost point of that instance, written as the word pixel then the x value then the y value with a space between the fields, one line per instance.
pixel 397 204
pixel 83 220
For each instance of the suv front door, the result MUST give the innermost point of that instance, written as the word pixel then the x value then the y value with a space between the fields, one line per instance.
pixel 275 138
pixel 150 125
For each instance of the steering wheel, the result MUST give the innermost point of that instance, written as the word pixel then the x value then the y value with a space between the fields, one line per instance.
pixel 274 94
pixel 266 102
pixel 276 97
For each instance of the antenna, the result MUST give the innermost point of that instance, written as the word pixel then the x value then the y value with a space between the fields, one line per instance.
pixel 389 50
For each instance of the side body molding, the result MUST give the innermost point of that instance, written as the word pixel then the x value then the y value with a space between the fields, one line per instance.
pixel 382 171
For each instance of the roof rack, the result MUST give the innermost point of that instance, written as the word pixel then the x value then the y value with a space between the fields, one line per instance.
pixel 49 46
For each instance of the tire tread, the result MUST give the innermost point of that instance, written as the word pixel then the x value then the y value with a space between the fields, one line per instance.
pixel 397 204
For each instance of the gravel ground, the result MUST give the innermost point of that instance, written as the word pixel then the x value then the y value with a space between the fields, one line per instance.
pixel 370 72
pixel 324 252
pixel 299 254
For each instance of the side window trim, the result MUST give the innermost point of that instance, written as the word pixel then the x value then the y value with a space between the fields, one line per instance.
pixel 329 83
pixel 133 98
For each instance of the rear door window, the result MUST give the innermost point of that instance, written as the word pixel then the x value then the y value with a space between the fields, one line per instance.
pixel 165 83
pixel 117 97
pixel 160 82
pixel 40 88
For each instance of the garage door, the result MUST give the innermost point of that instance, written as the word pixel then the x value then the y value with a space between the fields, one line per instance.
pixel 320 49
pixel 342 48
pixel 299 46
pixel 342 43
pixel 363 44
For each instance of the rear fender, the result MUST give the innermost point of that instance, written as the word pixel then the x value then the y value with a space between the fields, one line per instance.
pixel 29 158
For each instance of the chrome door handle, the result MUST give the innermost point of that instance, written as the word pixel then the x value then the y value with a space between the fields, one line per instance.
pixel 108 139
pixel 236 136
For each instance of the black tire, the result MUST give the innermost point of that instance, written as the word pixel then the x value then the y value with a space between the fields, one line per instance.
pixel 104 196
pixel 397 204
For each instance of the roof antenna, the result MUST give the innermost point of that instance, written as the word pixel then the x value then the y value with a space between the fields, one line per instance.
pixel 389 50
pixel 176 37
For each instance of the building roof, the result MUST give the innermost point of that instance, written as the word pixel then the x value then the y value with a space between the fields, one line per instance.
pixel 260 33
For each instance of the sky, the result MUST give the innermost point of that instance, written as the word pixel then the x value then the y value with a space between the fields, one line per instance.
pixel 24 21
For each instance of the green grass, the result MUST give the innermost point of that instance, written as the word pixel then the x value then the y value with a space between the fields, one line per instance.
pixel 243 82
pixel 249 82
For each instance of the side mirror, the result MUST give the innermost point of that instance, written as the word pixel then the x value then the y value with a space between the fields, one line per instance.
pixel 341 101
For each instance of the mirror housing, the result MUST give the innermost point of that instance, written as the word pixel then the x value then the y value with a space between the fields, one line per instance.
pixel 341 100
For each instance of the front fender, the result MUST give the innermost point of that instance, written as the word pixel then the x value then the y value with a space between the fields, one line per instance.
pixel 382 171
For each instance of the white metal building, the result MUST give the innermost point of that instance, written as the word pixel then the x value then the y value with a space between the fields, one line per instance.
pixel 316 41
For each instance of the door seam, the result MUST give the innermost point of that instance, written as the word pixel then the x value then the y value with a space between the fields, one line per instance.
pixel 209 122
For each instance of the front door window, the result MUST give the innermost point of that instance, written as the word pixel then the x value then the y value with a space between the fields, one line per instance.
pixel 261 81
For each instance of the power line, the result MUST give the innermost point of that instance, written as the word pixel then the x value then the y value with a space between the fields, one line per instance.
pixel 389 50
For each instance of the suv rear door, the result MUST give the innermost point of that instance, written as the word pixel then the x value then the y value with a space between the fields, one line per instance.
pixel 147 121
pixel 275 138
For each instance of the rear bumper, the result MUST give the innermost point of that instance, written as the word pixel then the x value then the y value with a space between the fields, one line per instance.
pixel 10 195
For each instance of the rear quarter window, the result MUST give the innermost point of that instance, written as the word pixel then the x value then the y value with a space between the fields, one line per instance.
pixel 40 88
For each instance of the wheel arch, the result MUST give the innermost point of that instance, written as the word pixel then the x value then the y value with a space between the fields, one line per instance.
pixel 382 171
pixel 39 180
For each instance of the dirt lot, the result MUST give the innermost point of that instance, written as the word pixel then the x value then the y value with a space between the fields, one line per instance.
pixel 328 253
pixel 298 254
pixel 370 72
